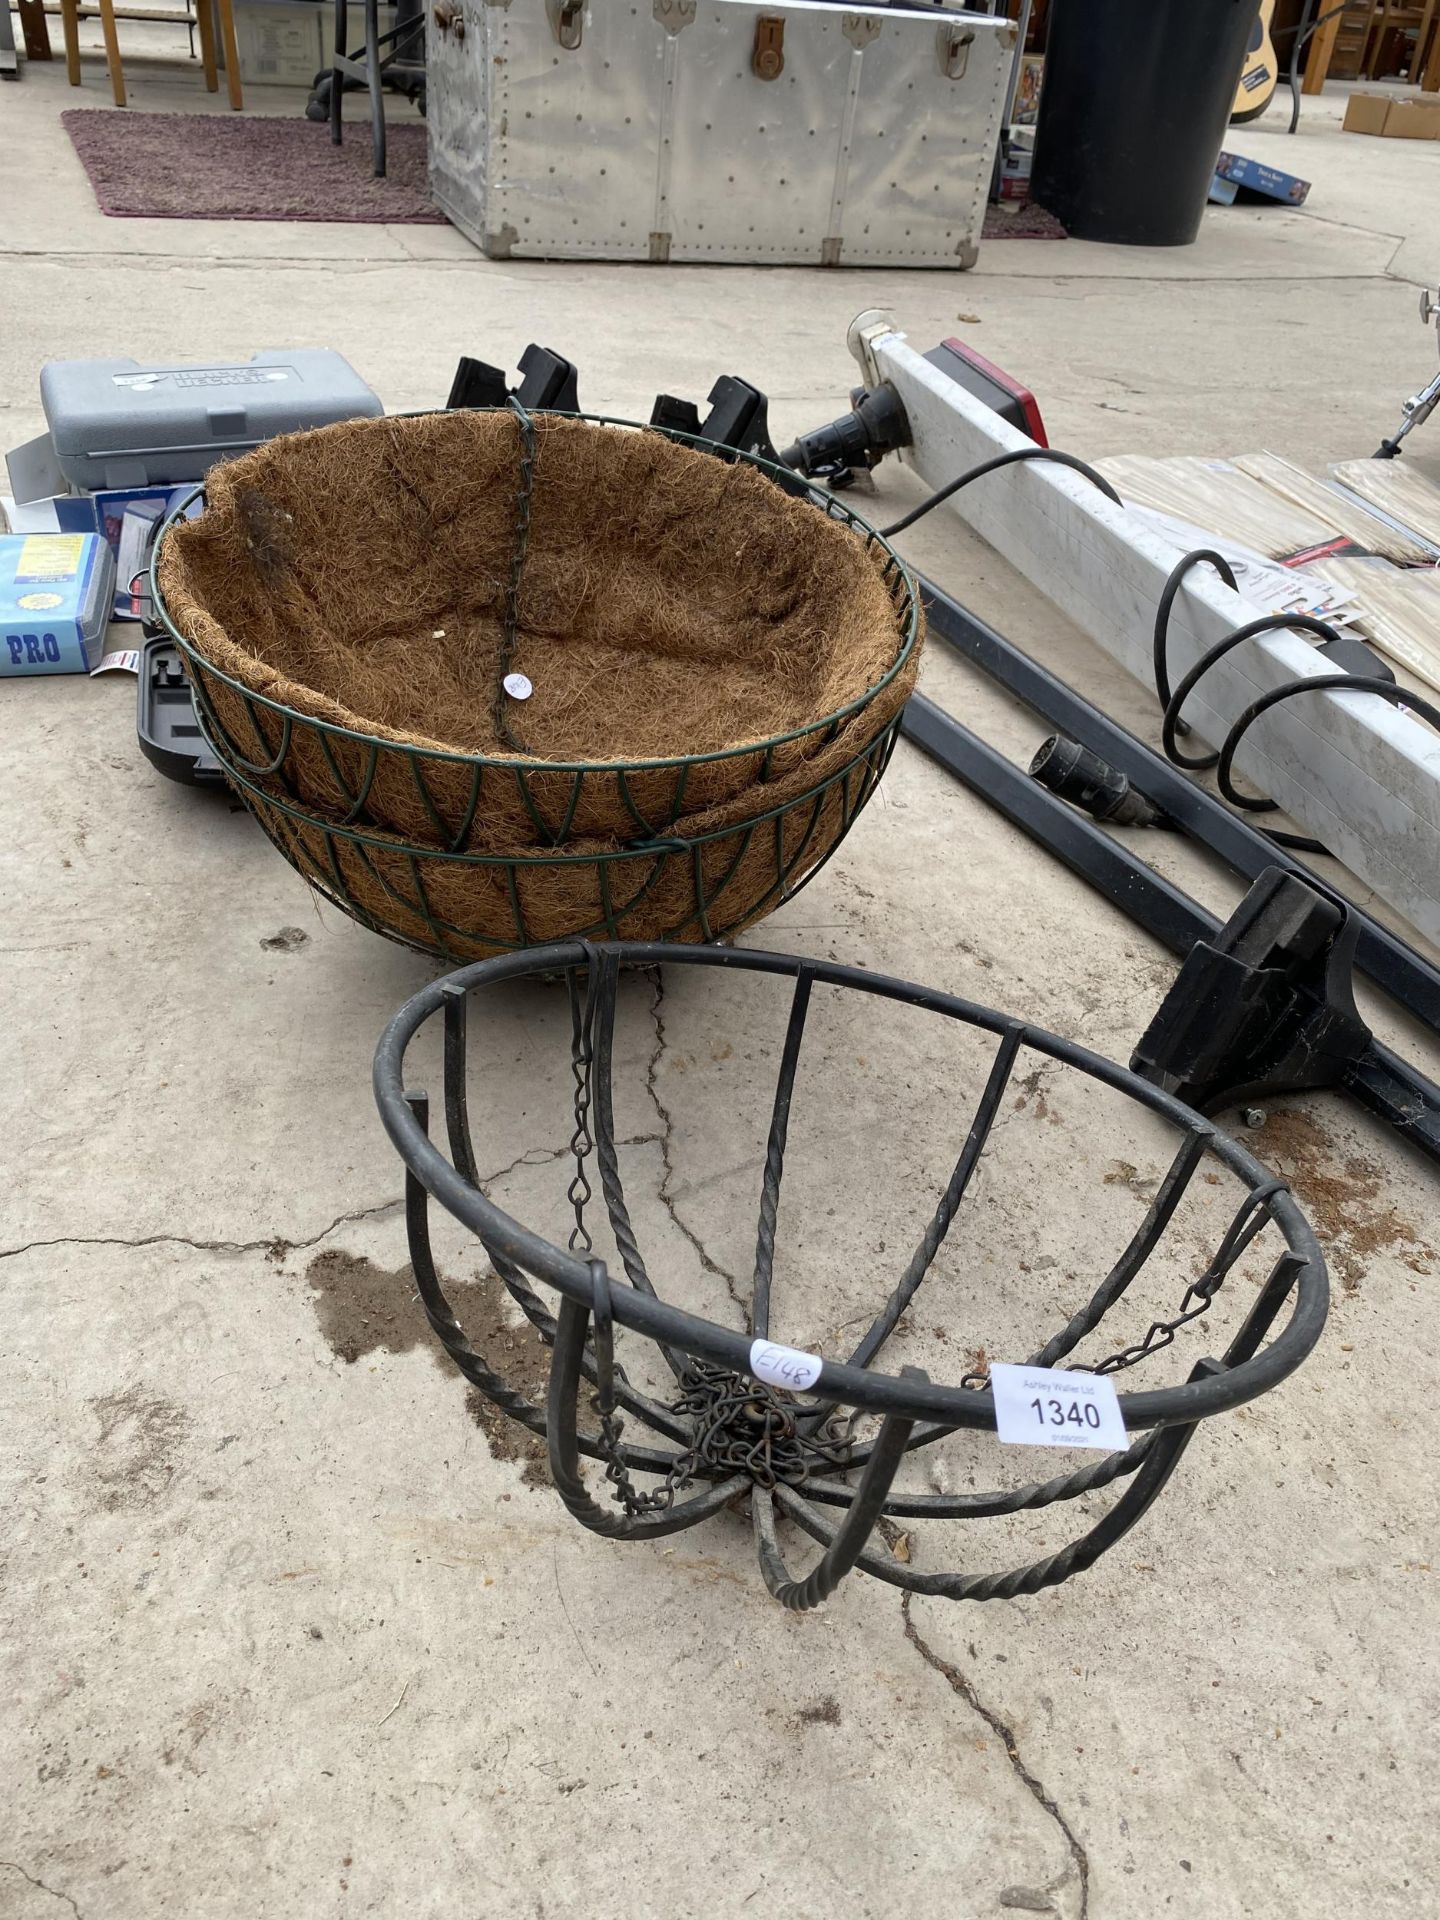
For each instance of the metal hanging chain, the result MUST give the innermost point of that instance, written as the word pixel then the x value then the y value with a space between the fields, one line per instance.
pixel 1251 1219
pixel 612 1423
pixel 742 1425
pixel 582 1143
pixel 517 567
pixel 1197 1301
pixel 738 1423
pixel 1248 1222
pixel 579 1193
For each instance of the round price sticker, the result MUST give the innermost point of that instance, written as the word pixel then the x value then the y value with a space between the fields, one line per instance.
pixel 784 1366
pixel 517 686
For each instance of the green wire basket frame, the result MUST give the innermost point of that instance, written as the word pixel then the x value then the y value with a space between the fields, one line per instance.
pixel 321 841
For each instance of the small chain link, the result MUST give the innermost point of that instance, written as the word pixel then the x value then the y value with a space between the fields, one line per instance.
pixel 659 1499
pixel 1250 1220
pixel 582 1027
pixel 1162 1332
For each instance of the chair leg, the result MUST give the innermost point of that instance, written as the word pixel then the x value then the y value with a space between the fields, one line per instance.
pixel 35 30
pixel 70 23
pixel 112 51
pixel 337 78
pixel 377 88
pixel 232 56
pixel 205 22
pixel 1318 54
pixel 1427 52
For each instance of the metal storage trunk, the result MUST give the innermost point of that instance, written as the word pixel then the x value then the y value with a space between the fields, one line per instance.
pixel 726 130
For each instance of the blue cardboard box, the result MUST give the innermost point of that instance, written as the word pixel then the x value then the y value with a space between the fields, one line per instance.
pixel 104 513
pixel 1234 174
pixel 55 596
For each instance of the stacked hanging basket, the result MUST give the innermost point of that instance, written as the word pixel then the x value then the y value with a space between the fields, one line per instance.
pixel 716 671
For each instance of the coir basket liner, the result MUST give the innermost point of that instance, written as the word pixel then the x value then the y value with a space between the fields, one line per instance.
pixel 712 660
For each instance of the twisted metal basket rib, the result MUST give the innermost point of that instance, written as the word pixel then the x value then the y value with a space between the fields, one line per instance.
pixel 727 1434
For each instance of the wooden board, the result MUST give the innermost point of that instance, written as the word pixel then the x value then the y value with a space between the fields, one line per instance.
pixel 1219 497
pixel 1361 777
pixel 1396 607
pixel 1317 57
pixel 1398 489
pixel 37 34
pixel 1340 510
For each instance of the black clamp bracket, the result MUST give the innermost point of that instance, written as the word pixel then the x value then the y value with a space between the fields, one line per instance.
pixel 548 384
pixel 738 422
pixel 739 418
pixel 1265 1007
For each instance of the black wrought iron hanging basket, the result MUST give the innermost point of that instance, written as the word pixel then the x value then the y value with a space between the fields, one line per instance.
pixel 732 1431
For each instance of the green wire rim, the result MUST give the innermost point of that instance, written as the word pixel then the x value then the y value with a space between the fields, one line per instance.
pixel 710 918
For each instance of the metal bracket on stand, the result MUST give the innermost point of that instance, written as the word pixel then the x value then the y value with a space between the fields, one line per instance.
pixel 1267 1007
pixel 1377 1078
pixel 548 383
pixel 739 418
pixel 738 422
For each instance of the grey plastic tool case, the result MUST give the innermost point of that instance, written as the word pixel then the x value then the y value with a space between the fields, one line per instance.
pixel 720 130
pixel 120 423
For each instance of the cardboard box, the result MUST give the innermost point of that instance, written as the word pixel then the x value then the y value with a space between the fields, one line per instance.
pixel 1365 112
pixel 1383 114
pixel 55 596
pixel 279 42
pixel 1413 120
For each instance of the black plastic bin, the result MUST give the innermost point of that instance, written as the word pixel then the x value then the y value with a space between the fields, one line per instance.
pixel 1136 99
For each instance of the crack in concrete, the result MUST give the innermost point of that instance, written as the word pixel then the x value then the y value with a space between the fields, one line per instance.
pixel 960 1684
pixel 274 1241
pixel 667 1167
pixel 277 1243
pixel 531 1157
pixel 54 1892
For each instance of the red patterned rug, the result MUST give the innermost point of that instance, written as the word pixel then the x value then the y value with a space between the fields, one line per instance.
pixel 211 166
pixel 1010 221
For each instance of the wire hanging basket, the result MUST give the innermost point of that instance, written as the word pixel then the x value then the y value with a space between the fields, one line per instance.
pixel 745 642
pixel 752 1421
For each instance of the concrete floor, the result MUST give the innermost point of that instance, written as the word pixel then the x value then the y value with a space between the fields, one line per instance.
pixel 281 1635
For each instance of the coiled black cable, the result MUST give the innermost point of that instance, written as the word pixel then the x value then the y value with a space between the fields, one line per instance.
pixel 1173 726
pixel 1010 459
pixel 1401 697
pixel 1162 616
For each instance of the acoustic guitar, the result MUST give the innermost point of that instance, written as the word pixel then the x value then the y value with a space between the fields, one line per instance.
pixel 1261 73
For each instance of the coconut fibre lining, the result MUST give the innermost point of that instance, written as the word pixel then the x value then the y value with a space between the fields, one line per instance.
pixel 669 604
